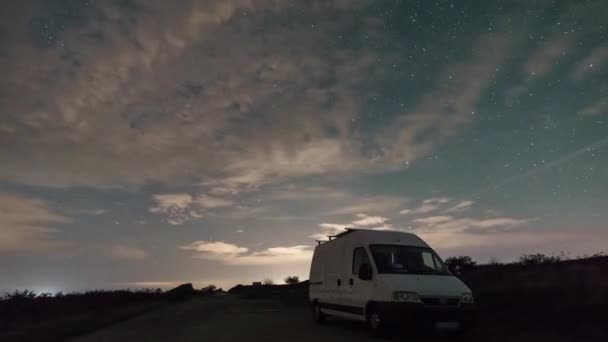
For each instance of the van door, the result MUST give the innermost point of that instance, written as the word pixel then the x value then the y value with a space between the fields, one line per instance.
pixel 358 292
pixel 334 282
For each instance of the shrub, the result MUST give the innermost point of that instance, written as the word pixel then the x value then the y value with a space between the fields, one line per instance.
pixel 292 280
pixel 209 289
pixel 537 259
pixel 494 261
pixel 268 281
pixel 20 295
pixel 458 263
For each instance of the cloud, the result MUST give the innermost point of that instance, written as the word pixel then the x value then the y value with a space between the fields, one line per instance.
pixel 334 226
pixel 181 207
pixel 370 204
pixel 450 232
pixel 215 250
pixel 128 253
pixel 28 223
pixel 210 202
pixel 360 221
pixel 595 109
pixel 366 220
pixel 554 51
pixel 79 211
pixel 232 254
pixel 174 200
pixel 432 220
pixel 133 102
pixel 460 207
pixel 428 205
pixel 451 104
pixel 548 55
pixel 276 255
pixel 328 229
pixel 306 193
pixel 591 64
pixel 174 205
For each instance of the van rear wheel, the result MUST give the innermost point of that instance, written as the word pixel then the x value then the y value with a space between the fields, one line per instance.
pixel 318 315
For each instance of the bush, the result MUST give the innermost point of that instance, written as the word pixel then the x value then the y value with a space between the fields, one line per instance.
pixel 494 261
pixel 292 280
pixel 458 263
pixel 537 259
pixel 20 295
pixel 209 289
pixel 268 281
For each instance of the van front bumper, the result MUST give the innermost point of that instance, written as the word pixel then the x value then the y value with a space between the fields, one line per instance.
pixel 419 316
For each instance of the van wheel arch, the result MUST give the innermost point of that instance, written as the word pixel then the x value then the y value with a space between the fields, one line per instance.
pixel 368 309
pixel 374 322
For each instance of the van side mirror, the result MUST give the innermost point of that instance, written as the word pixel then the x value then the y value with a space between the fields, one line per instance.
pixel 365 272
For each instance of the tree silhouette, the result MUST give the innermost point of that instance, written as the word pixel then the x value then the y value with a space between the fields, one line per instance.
pixel 292 280
pixel 458 263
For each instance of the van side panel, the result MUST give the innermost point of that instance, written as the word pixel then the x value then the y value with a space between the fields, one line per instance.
pixel 328 277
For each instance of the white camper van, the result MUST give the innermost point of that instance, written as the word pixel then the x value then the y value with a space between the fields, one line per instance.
pixel 386 278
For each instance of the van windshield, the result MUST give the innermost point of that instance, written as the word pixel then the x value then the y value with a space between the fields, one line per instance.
pixel 407 260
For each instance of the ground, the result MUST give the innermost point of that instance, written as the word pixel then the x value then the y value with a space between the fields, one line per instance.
pixel 230 319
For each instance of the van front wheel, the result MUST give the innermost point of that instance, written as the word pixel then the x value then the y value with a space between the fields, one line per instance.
pixel 318 315
pixel 376 323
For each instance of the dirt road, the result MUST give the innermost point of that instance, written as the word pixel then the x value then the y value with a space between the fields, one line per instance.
pixel 229 319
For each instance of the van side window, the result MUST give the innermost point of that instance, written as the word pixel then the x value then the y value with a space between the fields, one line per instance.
pixel 359 258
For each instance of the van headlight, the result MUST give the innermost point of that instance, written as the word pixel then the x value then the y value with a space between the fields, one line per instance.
pixel 406 297
pixel 467 298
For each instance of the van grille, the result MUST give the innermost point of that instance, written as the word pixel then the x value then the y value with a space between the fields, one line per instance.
pixel 440 301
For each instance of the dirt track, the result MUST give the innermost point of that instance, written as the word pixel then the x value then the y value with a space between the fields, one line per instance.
pixel 230 319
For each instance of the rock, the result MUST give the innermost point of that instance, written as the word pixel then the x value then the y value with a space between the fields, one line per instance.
pixel 181 292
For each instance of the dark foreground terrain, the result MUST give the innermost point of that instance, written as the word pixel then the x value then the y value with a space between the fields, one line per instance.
pixel 230 318
pixel 565 301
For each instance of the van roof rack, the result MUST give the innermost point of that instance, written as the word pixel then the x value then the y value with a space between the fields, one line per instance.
pixel 346 231
pixel 333 237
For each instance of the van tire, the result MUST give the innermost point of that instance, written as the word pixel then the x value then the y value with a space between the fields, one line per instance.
pixel 318 315
pixel 375 322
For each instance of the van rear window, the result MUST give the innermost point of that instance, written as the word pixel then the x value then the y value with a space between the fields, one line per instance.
pixel 407 260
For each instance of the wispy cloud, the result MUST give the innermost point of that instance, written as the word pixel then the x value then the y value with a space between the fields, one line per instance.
pixel 449 232
pixel 123 252
pixel 210 202
pixel 364 220
pixel 232 254
pixel 428 205
pixel 28 223
pixel 181 207
pixel 370 204
pixel 595 109
pixel 182 114
pixel 592 64
pixel 460 207
pixel 174 205
pixel 306 193
pixel 360 221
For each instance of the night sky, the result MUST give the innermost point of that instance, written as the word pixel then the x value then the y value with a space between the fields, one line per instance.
pixel 152 143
